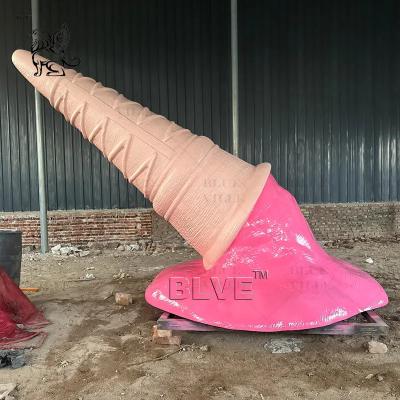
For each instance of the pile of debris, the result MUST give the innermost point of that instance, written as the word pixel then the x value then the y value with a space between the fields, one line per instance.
pixel 72 251
pixel 6 389
pixel 141 247
pixel 12 358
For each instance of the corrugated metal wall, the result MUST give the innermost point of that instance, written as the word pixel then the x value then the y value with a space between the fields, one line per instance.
pixel 18 172
pixel 319 93
pixel 170 56
pixel 320 96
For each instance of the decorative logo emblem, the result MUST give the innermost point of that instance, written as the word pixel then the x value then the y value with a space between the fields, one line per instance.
pixel 56 44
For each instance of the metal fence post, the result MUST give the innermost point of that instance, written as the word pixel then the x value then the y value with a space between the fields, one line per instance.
pixel 44 244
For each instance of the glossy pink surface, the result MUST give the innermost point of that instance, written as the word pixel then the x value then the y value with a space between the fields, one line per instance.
pixel 274 277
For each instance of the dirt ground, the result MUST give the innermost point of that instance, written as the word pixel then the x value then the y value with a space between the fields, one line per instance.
pixel 98 350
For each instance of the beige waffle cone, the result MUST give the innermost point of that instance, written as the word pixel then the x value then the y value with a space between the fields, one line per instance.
pixel 203 191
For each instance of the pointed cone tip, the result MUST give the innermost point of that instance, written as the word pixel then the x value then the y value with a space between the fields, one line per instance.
pixel 17 55
pixel 22 59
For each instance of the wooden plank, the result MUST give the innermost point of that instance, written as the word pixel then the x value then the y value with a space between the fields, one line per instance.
pixel 374 325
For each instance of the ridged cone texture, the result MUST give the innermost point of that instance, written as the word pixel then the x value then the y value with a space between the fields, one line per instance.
pixel 203 191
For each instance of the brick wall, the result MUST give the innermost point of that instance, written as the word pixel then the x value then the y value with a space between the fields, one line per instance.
pixel 353 220
pixel 328 222
pixel 82 226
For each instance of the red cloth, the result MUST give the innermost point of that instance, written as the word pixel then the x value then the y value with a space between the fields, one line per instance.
pixel 16 309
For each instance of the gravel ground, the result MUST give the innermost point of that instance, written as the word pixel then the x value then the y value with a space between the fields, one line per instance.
pixel 98 350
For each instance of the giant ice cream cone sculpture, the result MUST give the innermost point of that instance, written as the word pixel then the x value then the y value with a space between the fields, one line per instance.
pixel 234 214
pixel 203 191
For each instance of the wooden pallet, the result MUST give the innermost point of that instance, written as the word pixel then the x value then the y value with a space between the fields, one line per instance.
pixel 373 324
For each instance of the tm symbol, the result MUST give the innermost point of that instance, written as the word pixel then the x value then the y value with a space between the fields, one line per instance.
pixel 260 274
